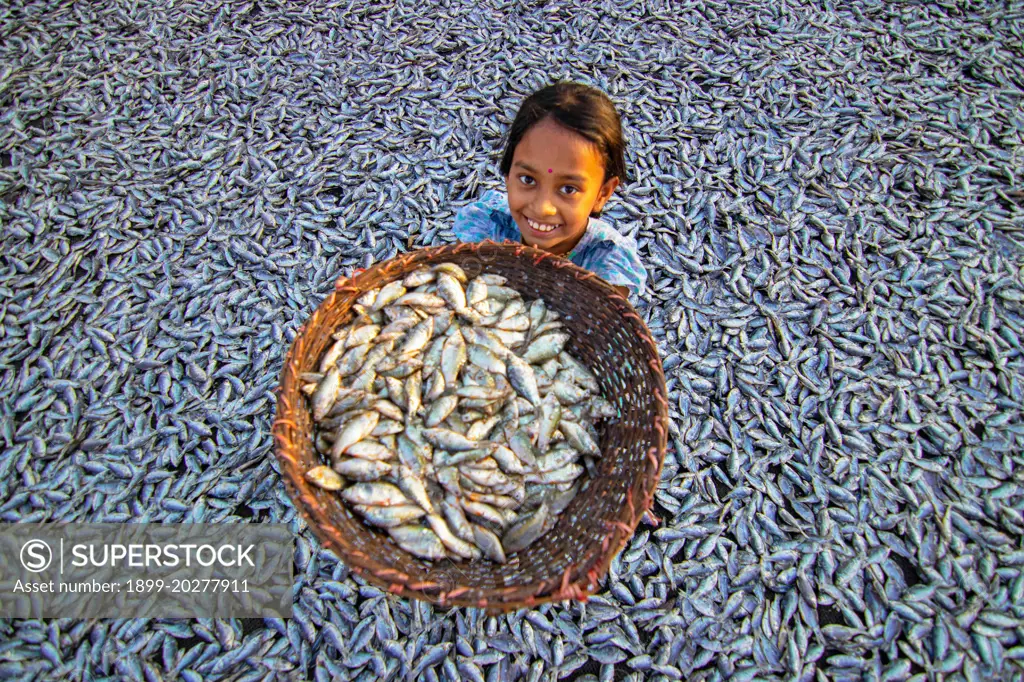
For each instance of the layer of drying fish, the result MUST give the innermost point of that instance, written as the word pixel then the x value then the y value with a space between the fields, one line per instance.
pixel 827 197
pixel 452 415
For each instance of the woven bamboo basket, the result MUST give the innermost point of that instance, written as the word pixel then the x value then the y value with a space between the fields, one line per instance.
pixel 567 562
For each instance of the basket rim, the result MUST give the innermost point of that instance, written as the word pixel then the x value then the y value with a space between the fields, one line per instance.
pixel 579 580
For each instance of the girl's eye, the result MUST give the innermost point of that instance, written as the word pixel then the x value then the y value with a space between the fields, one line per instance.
pixel 569 189
pixel 526 179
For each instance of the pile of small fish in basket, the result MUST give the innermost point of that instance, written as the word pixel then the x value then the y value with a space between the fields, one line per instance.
pixel 451 415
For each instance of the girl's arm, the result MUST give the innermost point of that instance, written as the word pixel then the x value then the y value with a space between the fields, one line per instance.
pixel 624 291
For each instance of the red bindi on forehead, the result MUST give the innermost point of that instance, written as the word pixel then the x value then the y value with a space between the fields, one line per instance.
pixel 549 170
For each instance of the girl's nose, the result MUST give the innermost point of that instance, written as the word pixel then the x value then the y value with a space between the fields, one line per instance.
pixel 546 207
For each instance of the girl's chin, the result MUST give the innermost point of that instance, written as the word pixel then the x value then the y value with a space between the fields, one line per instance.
pixel 553 247
pixel 540 243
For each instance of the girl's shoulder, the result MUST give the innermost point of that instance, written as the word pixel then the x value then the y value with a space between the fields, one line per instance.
pixel 611 255
pixel 495 200
pixel 602 232
pixel 490 200
pixel 486 218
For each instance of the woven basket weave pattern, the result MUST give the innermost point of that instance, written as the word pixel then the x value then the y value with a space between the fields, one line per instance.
pixel 607 336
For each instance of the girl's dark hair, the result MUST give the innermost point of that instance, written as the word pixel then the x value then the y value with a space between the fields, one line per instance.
pixel 583 110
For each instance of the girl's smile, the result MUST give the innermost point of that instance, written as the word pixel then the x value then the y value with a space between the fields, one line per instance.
pixel 552 209
pixel 541 227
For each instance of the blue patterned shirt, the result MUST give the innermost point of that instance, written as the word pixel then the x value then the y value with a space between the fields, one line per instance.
pixel 602 250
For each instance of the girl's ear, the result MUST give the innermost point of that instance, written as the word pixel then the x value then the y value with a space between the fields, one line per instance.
pixel 605 193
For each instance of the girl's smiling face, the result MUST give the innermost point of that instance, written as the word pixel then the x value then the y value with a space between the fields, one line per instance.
pixel 556 181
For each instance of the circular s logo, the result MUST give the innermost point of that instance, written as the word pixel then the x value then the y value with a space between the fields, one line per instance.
pixel 36 556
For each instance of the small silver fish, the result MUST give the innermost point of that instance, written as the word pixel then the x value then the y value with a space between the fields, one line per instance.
pixel 489 543
pixel 375 494
pixel 545 347
pixel 418 278
pixel 352 361
pixel 440 410
pixel 397 329
pixel 354 431
pixel 566 474
pixel 444 458
pixel 556 459
pixel 410 483
pixel 501 293
pixel 419 541
pixel 457 545
pixel 388 294
pixel 525 531
pixel 486 338
pixel 522 445
pixel 522 378
pixel 402 369
pixel 482 395
pixel 413 394
pixel 421 300
pixel 389 517
pixel 490 478
pixel 453 357
pixel 370 449
pixel 550 418
pixel 485 359
pixel 453 270
pixel 358 469
pixel 579 373
pixel 389 409
pixel 579 438
pixel 361 335
pixel 436 387
pixel 476 292
pixel 450 289
pixel 481 429
pixel 508 461
pixel 456 518
pixel 449 440
pixel 417 338
pixel 537 312
pixel 484 511
pixel 514 323
pixel 326 393
pixel 325 477
pixel 567 394
pixel 330 359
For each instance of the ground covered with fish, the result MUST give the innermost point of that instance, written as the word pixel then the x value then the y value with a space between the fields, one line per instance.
pixel 829 202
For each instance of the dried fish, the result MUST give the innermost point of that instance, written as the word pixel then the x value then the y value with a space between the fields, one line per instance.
pixel 826 197
pixel 449 435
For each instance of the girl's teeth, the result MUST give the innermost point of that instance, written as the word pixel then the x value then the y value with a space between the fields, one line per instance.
pixel 539 227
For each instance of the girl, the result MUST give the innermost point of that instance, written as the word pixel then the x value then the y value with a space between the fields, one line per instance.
pixel 563 159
